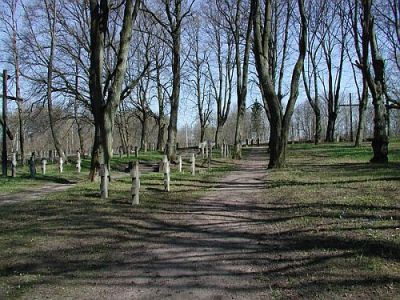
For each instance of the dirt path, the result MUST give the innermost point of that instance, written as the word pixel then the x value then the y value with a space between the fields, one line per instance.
pixel 38 192
pixel 34 193
pixel 208 251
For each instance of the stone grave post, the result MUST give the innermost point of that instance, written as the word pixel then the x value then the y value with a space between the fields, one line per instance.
pixel 180 164
pixel 135 182
pixel 104 181
pixel 166 174
pixel 61 165
pixel 193 164
pixel 44 163
pixel 14 165
pixel 78 161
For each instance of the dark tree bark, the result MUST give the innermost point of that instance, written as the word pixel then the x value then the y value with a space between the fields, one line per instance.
pixel 104 107
pixel 376 84
pixel 280 121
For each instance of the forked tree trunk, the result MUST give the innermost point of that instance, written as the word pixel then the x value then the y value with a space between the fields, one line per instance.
pixel 376 85
pixel 280 122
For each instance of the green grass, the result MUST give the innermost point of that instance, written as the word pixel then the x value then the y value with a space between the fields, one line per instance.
pixel 33 231
pixel 332 203
pixel 327 226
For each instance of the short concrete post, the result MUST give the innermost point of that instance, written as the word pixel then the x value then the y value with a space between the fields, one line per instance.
pixel 44 163
pixel 78 161
pixel 180 164
pixel 135 183
pixel 222 151
pixel 206 151
pixel 14 165
pixel 136 151
pixel 104 181
pixel 32 167
pixel 61 165
pixel 202 150
pixel 193 164
pixel 166 174
pixel 145 147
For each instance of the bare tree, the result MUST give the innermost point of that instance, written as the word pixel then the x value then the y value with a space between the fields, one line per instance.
pixel 171 18
pixel 40 48
pixel 280 121
pixel 311 71
pixel 198 65
pixel 104 106
pixel 222 82
pixel 334 32
pixel 354 12
pixel 240 26
pixel 376 82
pixel 11 29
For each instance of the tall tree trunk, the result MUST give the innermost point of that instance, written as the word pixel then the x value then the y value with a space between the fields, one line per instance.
pixel 376 85
pixel 330 129
pixel 95 154
pixel 104 110
pixel 51 15
pixel 20 105
pixel 242 73
pixel 176 86
pixel 362 109
pixel 143 135
pixel 202 133
pixel 280 122
pixel 216 134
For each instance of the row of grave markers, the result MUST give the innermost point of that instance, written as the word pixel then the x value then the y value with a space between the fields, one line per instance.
pixel 135 175
pixel 32 165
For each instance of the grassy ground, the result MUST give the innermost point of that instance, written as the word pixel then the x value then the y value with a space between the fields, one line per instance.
pixel 35 232
pixel 69 175
pixel 340 217
pixel 336 216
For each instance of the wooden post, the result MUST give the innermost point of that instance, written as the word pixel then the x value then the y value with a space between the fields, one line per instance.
pixel 44 162
pixel 32 167
pixel 104 181
pixel 136 151
pixel 193 164
pixel 180 164
pixel 135 183
pixel 61 165
pixel 14 165
pixel 351 120
pixel 166 174
pixel 4 117
pixel 78 161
